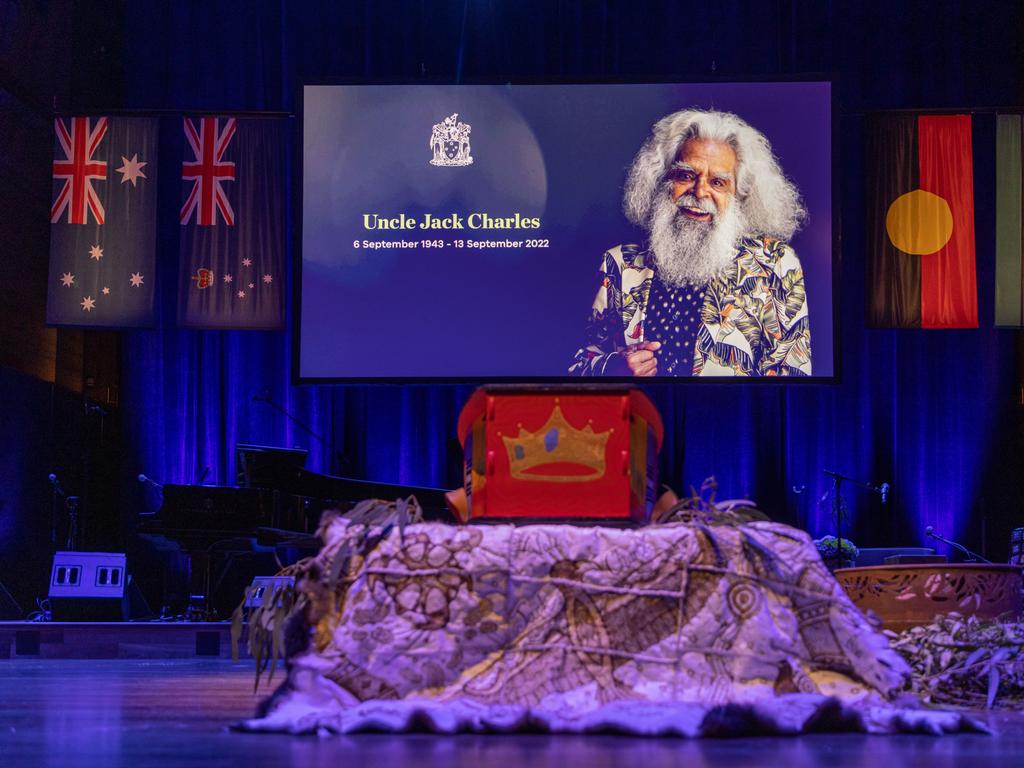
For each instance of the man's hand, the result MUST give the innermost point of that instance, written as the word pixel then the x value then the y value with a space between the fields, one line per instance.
pixel 641 360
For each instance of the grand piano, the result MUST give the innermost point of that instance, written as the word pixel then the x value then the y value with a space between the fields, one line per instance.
pixel 277 504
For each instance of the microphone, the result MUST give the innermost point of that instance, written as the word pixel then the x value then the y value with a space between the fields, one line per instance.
pixel 56 484
pixel 150 481
pixel 971 556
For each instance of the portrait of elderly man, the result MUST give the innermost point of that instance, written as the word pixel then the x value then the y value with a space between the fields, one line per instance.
pixel 716 290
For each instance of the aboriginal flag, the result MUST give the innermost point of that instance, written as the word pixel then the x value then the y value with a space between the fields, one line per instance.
pixel 920 219
pixel 1009 228
pixel 231 269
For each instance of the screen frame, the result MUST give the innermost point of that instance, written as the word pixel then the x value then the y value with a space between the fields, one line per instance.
pixel 670 381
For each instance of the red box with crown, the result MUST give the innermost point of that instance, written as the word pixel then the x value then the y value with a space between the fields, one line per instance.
pixel 579 453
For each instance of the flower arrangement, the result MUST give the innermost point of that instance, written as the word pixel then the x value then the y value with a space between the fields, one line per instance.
pixel 829 547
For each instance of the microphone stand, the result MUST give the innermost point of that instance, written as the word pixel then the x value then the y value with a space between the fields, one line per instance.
pixel 72 541
pixel 972 557
pixel 265 397
pixel 70 504
pixel 839 504
pixel 84 503
pixel 53 512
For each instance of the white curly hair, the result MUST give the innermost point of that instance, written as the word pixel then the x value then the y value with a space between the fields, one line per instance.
pixel 770 203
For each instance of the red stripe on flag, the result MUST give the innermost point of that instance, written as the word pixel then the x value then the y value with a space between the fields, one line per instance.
pixel 949 291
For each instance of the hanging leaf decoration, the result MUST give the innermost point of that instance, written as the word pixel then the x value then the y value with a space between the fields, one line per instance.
pixel 266 625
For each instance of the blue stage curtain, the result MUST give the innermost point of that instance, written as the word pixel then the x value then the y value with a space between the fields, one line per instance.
pixel 933 413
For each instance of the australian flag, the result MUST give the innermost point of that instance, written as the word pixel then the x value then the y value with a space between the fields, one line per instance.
pixel 103 222
pixel 232 223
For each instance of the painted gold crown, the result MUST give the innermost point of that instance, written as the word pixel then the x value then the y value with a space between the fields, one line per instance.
pixel 557 452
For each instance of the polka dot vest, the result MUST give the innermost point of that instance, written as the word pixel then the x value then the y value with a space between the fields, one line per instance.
pixel 673 318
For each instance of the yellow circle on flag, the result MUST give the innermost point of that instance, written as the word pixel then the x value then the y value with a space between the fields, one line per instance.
pixel 919 222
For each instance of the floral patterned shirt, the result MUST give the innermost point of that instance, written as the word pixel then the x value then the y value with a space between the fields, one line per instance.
pixel 753 319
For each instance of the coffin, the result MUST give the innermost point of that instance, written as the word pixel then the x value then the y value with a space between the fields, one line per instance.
pixel 579 454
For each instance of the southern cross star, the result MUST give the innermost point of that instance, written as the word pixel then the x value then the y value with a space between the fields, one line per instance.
pixel 131 170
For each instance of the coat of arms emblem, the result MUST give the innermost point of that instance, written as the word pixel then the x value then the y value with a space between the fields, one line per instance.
pixel 203 278
pixel 449 142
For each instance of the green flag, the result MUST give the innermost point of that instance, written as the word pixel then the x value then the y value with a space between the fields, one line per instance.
pixel 1009 276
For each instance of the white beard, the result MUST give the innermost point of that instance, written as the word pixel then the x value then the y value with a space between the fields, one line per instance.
pixel 694 252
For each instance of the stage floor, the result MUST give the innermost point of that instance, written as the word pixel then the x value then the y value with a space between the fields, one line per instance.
pixel 137 712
